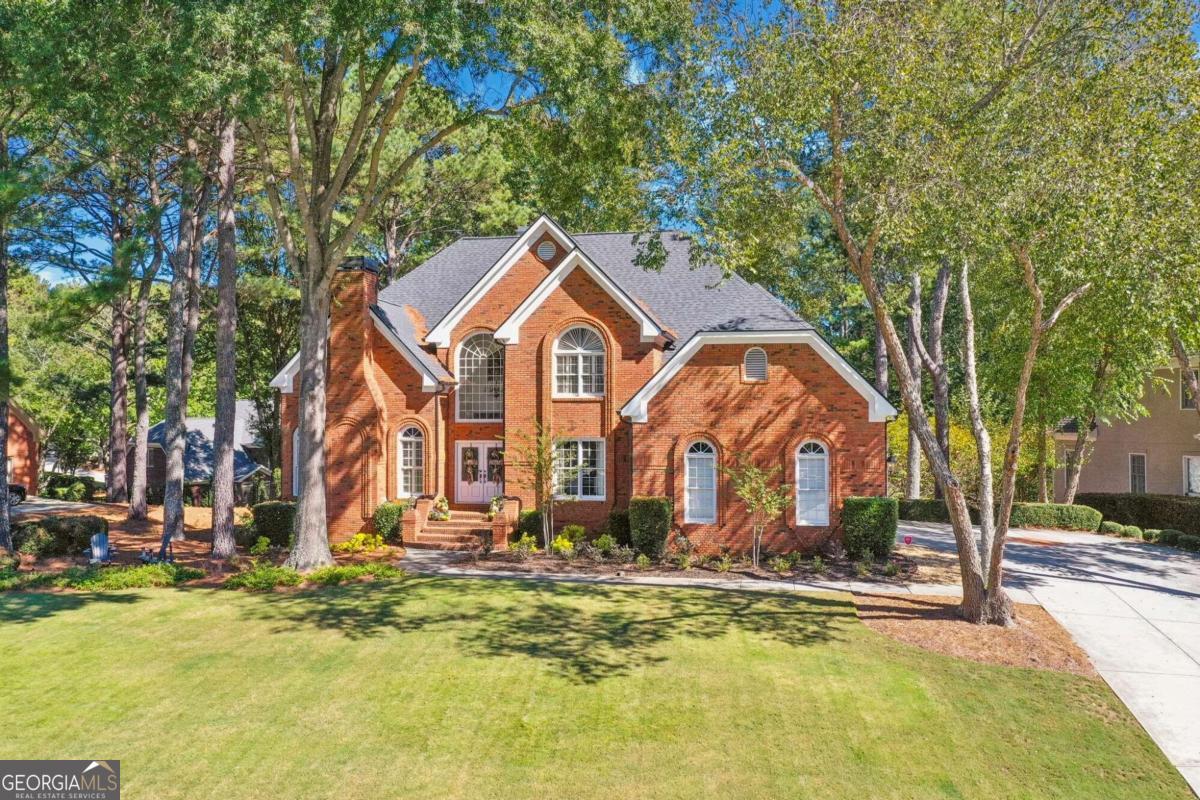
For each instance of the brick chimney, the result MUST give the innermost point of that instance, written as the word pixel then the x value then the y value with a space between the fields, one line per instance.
pixel 355 289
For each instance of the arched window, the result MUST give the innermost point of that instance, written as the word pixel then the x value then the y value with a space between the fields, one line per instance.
pixel 754 364
pixel 481 379
pixel 812 484
pixel 296 462
pixel 579 363
pixel 700 483
pixel 410 462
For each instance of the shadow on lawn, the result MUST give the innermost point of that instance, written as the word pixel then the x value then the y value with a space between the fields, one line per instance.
pixel 586 633
pixel 26 607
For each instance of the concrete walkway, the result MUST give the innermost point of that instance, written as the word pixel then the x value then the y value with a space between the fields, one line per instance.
pixel 1133 607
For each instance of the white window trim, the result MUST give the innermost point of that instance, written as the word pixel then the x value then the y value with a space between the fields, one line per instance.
pixel 555 352
pixel 1185 474
pixel 1145 473
pixel 687 483
pixel 766 365
pixel 828 493
pixel 602 467
pixel 400 439
pixel 878 407
pixel 1183 389
pixel 296 461
pixel 458 373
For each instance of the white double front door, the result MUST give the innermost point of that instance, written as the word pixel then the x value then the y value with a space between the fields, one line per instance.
pixel 480 470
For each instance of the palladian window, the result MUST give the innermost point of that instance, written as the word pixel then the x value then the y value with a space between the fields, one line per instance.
pixel 481 379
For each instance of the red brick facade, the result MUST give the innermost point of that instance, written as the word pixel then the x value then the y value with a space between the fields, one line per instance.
pixel 23 452
pixel 374 393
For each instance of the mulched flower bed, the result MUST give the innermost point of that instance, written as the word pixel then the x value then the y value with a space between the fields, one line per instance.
pixel 834 569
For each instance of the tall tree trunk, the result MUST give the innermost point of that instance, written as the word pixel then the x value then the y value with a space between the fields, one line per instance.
pixel 141 431
pixel 1043 471
pixel 1079 453
pixel 185 266
pixel 912 487
pixel 311 548
pixel 938 373
pixel 881 363
pixel 118 398
pixel 6 542
pixel 223 430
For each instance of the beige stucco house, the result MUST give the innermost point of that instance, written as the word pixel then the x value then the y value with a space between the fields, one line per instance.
pixel 1156 454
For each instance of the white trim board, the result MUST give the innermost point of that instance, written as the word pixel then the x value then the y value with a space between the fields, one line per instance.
pixel 879 409
pixel 429 381
pixel 509 331
pixel 439 335
pixel 283 381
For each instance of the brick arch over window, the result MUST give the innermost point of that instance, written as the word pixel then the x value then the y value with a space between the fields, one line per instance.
pixel 678 461
pixel 348 474
pixel 396 460
pixel 546 364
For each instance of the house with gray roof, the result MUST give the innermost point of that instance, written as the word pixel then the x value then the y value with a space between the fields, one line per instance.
pixel 649 379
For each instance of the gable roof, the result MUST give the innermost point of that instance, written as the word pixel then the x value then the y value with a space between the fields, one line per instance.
pixel 198 450
pixel 682 300
pixel 510 330
pixel 878 407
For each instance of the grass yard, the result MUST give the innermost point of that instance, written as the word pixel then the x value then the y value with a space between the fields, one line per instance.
pixel 430 687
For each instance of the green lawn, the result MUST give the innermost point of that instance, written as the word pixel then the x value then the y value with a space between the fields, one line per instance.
pixel 477 689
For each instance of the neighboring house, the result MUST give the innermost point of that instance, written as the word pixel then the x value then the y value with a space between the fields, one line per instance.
pixel 1156 454
pixel 198 455
pixel 652 381
pixel 24 455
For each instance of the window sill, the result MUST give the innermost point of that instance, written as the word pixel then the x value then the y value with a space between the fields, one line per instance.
pixel 577 398
pixel 574 498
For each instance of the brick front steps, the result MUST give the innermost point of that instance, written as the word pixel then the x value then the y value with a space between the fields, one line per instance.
pixel 465 530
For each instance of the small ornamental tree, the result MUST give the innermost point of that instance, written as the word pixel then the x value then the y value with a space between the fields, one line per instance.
pixel 765 502
pixel 534 464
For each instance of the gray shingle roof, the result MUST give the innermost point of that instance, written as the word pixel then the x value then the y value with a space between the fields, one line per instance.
pixel 685 300
pixel 198 452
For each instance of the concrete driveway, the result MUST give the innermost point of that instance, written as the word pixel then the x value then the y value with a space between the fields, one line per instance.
pixel 1135 609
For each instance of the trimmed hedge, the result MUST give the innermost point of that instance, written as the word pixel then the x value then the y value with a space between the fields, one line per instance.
pixel 1024 515
pixel 275 520
pixel 1162 511
pixel 57 536
pixel 1189 541
pixel 530 523
pixel 387 519
pixel 1112 528
pixel 1132 532
pixel 649 525
pixel 869 526
pixel 1169 536
pixel 1055 515
pixel 618 527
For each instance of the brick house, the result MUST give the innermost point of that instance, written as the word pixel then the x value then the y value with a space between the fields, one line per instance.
pixel 24 454
pixel 650 380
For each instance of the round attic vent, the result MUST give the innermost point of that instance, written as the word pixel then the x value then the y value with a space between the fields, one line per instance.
pixel 546 250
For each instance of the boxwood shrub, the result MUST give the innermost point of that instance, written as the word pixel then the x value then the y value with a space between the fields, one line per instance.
pixel 530 522
pixel 387 519
pixel 1132 532
pixel 58 536
pixel 927 509
pixel 1112 528
pixel 1151 534
pixel 275 519
pixel 869 526
pixel 1055 515
pixel 1169 537
pixel 1161 511
pixel 649 525
pixel 618 527
pixel 1189 541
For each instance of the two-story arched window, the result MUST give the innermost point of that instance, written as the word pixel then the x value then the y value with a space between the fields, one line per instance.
pixel 410 462
pixel 579 363
pixel 480 379
pixel 700 483
pixel 812 484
